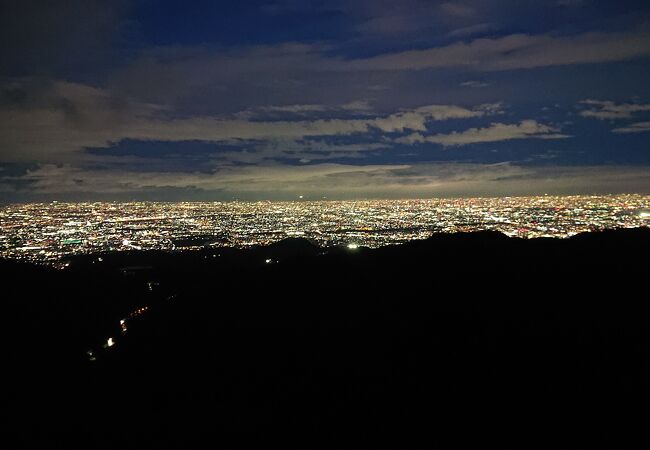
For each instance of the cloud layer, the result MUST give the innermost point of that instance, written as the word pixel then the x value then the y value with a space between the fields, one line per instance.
pixel 65 118
pixel 341 98
pixel 526 129
pixel 330 181
pixel 608 110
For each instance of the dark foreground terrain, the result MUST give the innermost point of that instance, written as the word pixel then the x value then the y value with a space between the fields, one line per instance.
pixel 460 341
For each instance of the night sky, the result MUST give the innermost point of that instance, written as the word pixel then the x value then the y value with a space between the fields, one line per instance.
pixel 209 100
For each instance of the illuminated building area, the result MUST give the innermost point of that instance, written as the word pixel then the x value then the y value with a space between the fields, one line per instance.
pixel 46 232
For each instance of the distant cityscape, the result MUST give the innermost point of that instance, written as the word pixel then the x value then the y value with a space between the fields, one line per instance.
pixel 48 232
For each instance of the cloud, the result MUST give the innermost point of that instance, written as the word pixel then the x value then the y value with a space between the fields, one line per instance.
pixel 61 179
pixel 639 127
pixel 516 51
pixel 406 17
pixel 608 110
pixel 67 117
pixel 295 108
pixel 353 107
pixel 201 80
pixel 304 151
pixel 474 84
pixel 526 129
pixel 330 180
pixel 457 9
pixel 472 30
pixel 49 120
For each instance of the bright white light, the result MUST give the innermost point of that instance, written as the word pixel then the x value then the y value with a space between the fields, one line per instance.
pixel 353 246
pixel 268 261
pixel 110 342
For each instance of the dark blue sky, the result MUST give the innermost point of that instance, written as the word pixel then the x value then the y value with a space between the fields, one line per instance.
pixel 339 99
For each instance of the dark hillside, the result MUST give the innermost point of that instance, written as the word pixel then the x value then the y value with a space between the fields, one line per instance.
pixel 458 340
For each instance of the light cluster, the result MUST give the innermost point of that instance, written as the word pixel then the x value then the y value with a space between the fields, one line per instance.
pixel 47 232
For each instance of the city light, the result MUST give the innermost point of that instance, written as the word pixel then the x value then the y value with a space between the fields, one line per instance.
pixel 49 232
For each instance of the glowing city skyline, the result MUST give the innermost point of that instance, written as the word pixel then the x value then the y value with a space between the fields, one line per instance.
pixel 50 231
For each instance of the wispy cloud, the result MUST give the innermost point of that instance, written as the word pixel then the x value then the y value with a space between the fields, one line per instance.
pixel 517 51
pixel 332 181
pixel 315 74
pixel 526 129
pixel 458 9
pixel 472 30
pixel 474 84
pixel 638 127
pixel 354 107
pixel 76 117
pixel 608 110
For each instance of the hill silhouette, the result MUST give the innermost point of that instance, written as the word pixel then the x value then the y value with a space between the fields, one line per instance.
pixel 456 340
